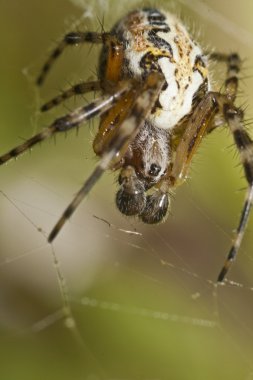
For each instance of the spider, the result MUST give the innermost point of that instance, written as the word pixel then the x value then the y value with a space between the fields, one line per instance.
pixel 156 106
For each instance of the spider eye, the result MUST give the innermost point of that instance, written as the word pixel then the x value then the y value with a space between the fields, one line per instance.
pixel 156 208
pixel 154 170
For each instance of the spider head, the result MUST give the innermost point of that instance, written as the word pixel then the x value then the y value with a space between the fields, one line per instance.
pixel 149 155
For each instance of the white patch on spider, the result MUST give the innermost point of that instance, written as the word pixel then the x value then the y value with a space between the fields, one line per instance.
pixel 175 105
pixel 176 57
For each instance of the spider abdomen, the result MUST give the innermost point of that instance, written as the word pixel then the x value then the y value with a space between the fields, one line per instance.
pixel 157 41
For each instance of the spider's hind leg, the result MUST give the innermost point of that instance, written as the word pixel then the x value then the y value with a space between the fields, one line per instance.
pixel 78 89
pixel 69 121
pixel 76 38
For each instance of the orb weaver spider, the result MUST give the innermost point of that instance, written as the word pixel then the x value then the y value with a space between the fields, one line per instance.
pixel 155 108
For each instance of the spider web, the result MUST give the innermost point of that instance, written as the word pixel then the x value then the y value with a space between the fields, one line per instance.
pixel 112 298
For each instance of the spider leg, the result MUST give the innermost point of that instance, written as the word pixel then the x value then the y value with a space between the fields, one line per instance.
pixel 110 121
pixel 75 38
pixel 233 62
pixel 195 131
pixel 116 149
pixel 201 121
pixel 71 120
pixel 244 144
pixel 77 89
pixel 239 234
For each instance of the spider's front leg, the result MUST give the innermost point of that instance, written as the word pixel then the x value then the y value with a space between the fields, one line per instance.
pixel 117 146
pixel 69 121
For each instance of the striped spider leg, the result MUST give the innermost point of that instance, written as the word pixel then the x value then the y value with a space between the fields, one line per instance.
pixel 69 121
pixel 115 54
pixel 116 147
pixel 78 89
pixel 82 114
pixel 201 122
pixel 118 144
pixel 76 38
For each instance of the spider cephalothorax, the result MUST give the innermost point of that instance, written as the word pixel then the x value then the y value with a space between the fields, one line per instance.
pixel 155 108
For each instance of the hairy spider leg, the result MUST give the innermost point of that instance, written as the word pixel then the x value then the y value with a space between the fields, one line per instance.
pixel 112 72
pixel 233 62
pixel 76 38
pixel 116 149
pixel 71 120
pixel 78 89
pixel 199 124
pixel 194 133
pixel 244 144
pixel 111 120
pixel 195 130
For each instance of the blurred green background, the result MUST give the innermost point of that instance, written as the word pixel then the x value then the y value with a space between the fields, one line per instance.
pixel 143 298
